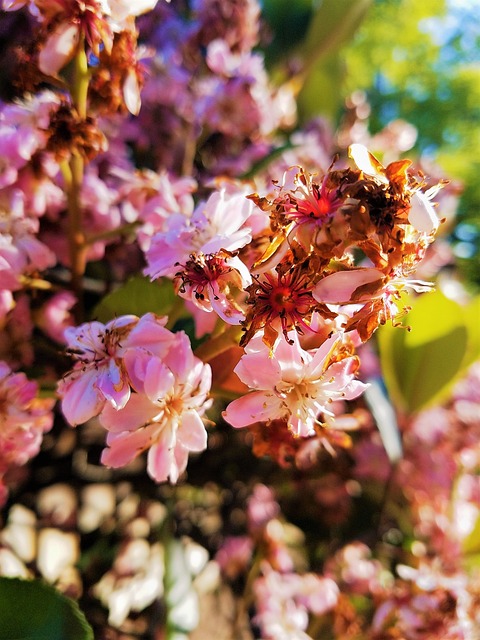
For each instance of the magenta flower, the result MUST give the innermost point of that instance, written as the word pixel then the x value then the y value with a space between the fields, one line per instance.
pixel 293 384
pixel 165 415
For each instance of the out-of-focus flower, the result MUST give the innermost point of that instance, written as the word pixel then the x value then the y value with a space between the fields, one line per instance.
pixel 355 570
pixel 55 315
pixel 24 418
pixel 234 556
pixel 134 582
pixel 284 601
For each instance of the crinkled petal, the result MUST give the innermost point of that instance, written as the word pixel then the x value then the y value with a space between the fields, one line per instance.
pixel 113 385
pixel 422 214
pixel 258 370
pixel 161 460
pixel 339 287
pixel 159 380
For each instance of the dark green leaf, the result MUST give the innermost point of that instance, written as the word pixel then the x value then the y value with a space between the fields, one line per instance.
pixel 33 610
pixel 138 296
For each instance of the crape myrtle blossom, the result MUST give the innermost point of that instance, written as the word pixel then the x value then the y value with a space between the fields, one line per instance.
pixel 422 214
pixel 293 384
pixel 24 418
pixel 147 386
pixel 100 374
pixel 23 132
pixel 211 281
pixel 21 252
pixel 236 99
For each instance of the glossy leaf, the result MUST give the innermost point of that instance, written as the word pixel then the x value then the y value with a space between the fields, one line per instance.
pixel 138 296
pixel 33 610
pixel 421 366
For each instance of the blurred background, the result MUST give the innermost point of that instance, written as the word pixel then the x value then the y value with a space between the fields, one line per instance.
pixel 394 61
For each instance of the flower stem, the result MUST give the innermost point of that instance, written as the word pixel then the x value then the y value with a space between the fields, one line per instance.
pixel 81 78
pixel 220 343
pixel 76 236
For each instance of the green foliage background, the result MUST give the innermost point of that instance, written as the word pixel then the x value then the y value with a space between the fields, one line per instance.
pixel 419 61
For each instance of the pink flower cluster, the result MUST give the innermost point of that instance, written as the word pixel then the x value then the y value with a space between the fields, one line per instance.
pixel 24 418
pixel 147 387
pixel 292 384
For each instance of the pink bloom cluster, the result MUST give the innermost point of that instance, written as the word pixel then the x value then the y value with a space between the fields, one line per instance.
pixel 284 602
pixel 200 252
pixel 146 385
pixel 293 384
pixel 24 418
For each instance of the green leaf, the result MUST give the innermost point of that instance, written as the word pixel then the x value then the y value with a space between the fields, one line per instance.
pixel 472 320
pixel 33 610
pixel 138 296
pixel 323 69
pixel 421 366
pixel 288 22
pixel 471 544
pixel 334 23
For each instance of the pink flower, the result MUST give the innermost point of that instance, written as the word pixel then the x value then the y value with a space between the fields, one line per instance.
pixel 219 223
pixel 234 556
pixel 20 250
pixel 292 384
pixel 210 282
pixel 24 418
pixel 98 375
pixel 164 415
pixel 55 315
pixel 283 602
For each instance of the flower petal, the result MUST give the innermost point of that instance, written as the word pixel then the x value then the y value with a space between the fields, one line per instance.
pixel 191 432
pixel 253 407
pixel 81 399
pixel 138 411
pixel 59 48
